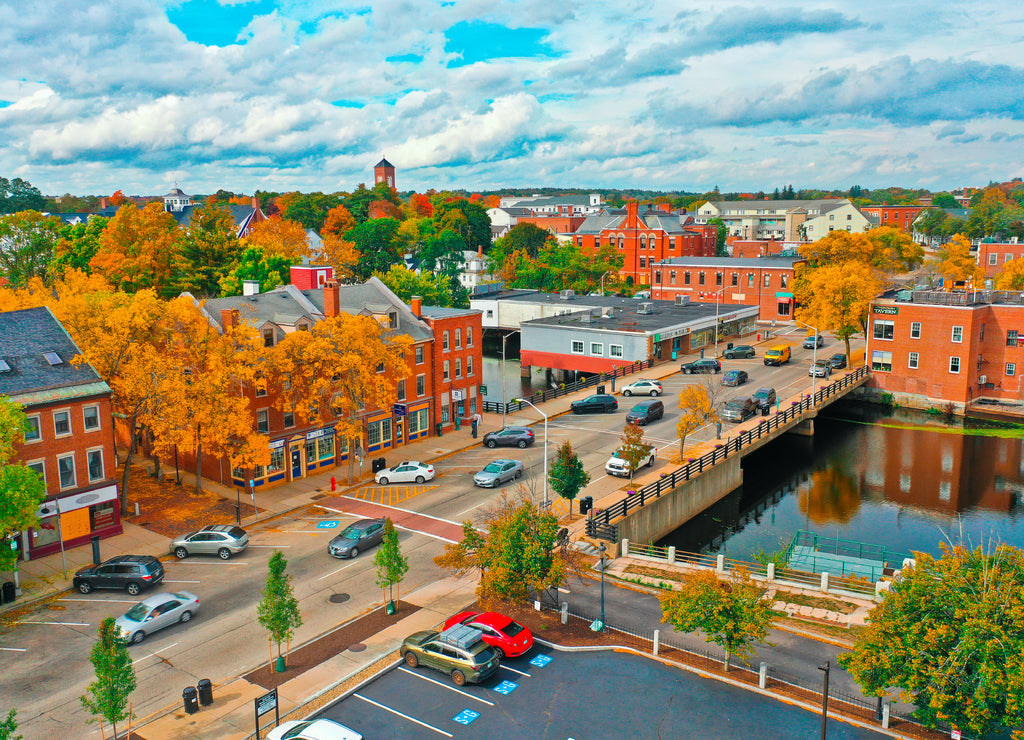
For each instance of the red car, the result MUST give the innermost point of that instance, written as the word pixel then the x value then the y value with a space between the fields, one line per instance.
pixel 505 635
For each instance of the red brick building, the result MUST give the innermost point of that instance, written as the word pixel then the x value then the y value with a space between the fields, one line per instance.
pixel 939 348
pixel 901 217
pixel 766 282
pixel 442 385
pixel 646 238
pixel 754 248
pixel 70 442
pixel 993 257
pixel 564 223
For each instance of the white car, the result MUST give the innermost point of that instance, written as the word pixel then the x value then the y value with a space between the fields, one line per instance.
pixel 643 387
pixel 409 471
pixel 316 729
pixel 617 466
pixel 155 613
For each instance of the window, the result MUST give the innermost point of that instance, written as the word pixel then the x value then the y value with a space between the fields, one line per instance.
pixel 615 350
pixel 884 329
pixel 643 262
pixel 657 276
pixel 735 279
pixel 421 385
pixel 643 241
pixel 66 468
pixel 1007 257
pixel 881 361
pixel 392 319
pixel 444 345
pixel 263 420
pixel 94 461
pixel 380 367
pixel 447 370
pixel 469 365
pixel 1011 368
pixel 261 388
pixel 62 423
pixel 91 415
pixel 469 336
pixel 686 278
pixel 597 349
pixel 912 360
pixel 400 390
pixel 458 339
pixel 784 280
pixel 992 258
pixel 954 364
pixel 40 467
pixel 378 432
pixel 750 280
pixel 1011 338
pixel 767 280
pixel 458 367
pixel 289 419
pixel 32 433
pixel 915 330
pixel 419 354
pixel 718 278
pixel 958 334
pixel 577 347
pixel 700 278
pixel 672 277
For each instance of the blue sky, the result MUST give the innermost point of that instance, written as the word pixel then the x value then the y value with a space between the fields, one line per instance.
pixel 308 94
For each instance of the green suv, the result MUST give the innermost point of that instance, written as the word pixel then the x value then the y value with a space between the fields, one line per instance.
pixel 459 651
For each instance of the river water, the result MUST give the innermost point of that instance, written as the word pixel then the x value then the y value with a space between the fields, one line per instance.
pixel 902 480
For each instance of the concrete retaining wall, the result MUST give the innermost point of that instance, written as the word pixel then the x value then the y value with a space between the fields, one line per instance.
pixel 659 516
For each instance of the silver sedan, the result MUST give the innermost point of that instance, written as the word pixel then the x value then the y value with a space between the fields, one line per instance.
pixel 157 612
pixel 497 472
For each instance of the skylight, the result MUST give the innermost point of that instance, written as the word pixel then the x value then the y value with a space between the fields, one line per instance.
pixel 53 358
pixel 4 367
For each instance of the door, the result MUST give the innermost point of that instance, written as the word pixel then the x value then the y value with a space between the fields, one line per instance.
pixel 296 462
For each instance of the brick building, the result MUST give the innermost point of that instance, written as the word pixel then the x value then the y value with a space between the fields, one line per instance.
pixel 444 341
pixel 940 348
pixel 992 257
pixel 765 281
pixel 70 441
pixel 753 248
pixel 901 217
pixel 644 238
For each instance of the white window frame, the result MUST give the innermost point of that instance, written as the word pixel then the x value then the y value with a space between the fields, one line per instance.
pixel 39 466
pixel 88 467
pixel 265 415
pixel 469 336
pixel 915 329
pixel 615 350
pixel 993 258
pixel 447 371
pixel 469 365
pixel 1011 368
pixel 74 472
pixel 85 418
pixel 400 390
pixel 419 354
pixel 445 341
pixel 883 324
pixel 913 360
pixel 421 385
pixel 33 423
pixel 954 365
pixel 71 428
pixel 458 339
pixel 597 349
pixel 956 335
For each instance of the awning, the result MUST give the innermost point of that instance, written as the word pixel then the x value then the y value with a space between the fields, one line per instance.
pixel 783 299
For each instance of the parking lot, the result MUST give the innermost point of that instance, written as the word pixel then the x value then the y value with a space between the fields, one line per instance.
pixel 553 694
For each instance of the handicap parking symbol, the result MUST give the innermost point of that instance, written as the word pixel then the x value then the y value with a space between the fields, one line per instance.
pixel 326 525
pixel 466 716
pixel 541 660
pixel 506 687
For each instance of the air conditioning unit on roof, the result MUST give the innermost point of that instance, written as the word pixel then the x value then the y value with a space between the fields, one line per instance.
pixel 567 295
pixel 682 299
pixel 645 308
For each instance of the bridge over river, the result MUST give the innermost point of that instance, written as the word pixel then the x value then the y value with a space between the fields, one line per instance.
pixel 649 513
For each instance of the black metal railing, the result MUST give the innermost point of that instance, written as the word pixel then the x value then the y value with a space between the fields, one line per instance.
pixel 695 466
pixel 564 389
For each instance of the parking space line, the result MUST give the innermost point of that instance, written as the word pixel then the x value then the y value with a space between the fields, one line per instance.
pixel 106 601
pixel 464 511
pixel 404 716
pixel 509 668
pixel 156 654
pixel 57 624
pixel 337 571
pixel 15 650
pixel 207 562
pixel 168 581
pixel 446 686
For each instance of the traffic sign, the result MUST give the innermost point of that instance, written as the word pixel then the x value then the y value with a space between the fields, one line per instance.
pixel 483 390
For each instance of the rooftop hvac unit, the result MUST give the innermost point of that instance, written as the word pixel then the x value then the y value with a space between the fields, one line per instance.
pixel 585 317
pixel 567 295
pixel 645 308
pixel 682 299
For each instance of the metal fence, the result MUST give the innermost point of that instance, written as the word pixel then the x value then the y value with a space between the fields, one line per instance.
pixel 564 389
pixel 694 467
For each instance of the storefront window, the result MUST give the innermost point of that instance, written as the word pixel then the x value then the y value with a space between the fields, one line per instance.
pixel 276 461
pixel 378 432
pixel 417 421
pixel 325 447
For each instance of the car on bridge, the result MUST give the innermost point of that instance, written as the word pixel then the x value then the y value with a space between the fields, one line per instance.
pixel 739 351
pixel 739 409
pixel 701 366
pixel 619 466
pixel 643 387
pixel 837 361
pixel 820 369
pixel 765 398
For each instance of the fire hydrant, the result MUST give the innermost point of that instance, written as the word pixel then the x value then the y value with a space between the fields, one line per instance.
pixel 334 484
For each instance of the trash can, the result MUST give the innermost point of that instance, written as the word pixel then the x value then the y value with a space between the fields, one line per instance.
pixel 600 389
pixel 378 464
pixel 458 423
pixel 190 698
pixel 205 687
pixel 8 593
pixel 765 408
pixel 437 427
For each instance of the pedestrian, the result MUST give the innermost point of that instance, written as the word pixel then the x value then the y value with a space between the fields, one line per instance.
pixel 476 423
pixel 777 402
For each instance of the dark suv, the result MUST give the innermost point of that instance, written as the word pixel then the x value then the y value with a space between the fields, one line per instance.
pixel 599 403
pixel 646 412
pixel 765 397
pixel 130 572
pixel 701 366
pixel 510 437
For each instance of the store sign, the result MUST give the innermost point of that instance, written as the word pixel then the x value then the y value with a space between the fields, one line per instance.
pixel 78 501
pixel 277 444
pixel 888 310
pixel 317 433
pixel 457 395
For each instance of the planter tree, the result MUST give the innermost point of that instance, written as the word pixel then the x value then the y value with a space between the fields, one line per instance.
pixel 633 449
pixel 107 697
pixel 732 615
pixel 391 564
pixel 697 404
pixel 9 725
pixel 278 610
pixel 567 476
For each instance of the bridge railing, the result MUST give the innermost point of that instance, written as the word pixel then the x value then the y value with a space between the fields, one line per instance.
pixel 600 524
pixel 564 389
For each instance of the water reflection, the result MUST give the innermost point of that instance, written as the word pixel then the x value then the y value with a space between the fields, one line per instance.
pixel 904 481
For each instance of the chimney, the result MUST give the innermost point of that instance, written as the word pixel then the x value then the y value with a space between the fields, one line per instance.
pixel 255 203
pixel 228 318
pixel 666 207
pixel 631 210
pixel 104 202
pixel 332 298
pixel 417 306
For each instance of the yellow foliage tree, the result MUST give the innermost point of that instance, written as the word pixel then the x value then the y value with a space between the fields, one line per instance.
pixel 343 366
pixel 697 404
pixel 337 222
pixel 955 263
pixel 341 254
pixel 836 297
pixel 1012 276
pixel 279 236
pixel 138 249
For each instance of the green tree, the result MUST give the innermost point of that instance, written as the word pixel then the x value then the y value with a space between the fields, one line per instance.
pixel 28 239
pixel 442 253
pixel 567 475
pixel 207 250
pixel 278 610
pixel 721 231
pixel 435 290
pixel 376 243
pixel 358 201
pixel 9 725
pixel 732 615
pixel 469 220
pixel 524 237
pixel 391 564
pixel 78 245
pixel 950 636
pixel 311 209
pixel 20 195
pixel 633 449
pixel 254 264
pixel 21 488
pixel 944 200
pixel 107 697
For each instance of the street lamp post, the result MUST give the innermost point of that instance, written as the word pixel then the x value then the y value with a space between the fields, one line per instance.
pixel 718 297
pixel 824 697
pixel 546 502
pixel 504 403
pixel 602 549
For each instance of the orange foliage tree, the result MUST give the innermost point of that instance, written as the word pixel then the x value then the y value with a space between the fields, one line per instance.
pixel 384 209
pixel 337 222
pixel 138 249
pixel 118 199
pixel 341 254
pixel 279 237
pixel 420 204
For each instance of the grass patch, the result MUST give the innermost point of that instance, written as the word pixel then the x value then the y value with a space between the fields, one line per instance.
pixel 649 572
pixel 816 602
